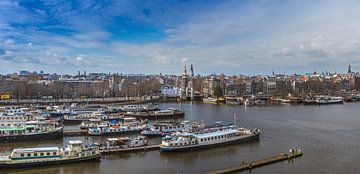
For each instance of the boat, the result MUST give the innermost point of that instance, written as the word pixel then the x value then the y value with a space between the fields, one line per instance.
pixel 158 129
pixel 31 130
pixel 161 114
pixel 87 117
pixel 94 123
pixel 322 100
pixel 117 129
pixel 113 144
pixel 184 141
pixel 231 100
pixel 140 108
pixel 75 151
pixel 211 100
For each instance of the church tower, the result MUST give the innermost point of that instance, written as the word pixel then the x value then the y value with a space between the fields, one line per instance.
pixel 349 69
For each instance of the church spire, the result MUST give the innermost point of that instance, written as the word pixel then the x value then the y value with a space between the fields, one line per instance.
pixel 191 71
pixel 349 69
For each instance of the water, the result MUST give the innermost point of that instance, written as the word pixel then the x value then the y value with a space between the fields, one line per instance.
pixel 328 136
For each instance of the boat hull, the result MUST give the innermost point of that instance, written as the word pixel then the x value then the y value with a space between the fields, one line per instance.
pixel 46 163
pixel 43 136
pixel 254 137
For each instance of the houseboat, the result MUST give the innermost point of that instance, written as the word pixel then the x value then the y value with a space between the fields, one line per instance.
pixel 113 144
pixel 117 129
pixel 232 100
pixel 140 108
pixel 161 114
pixel 323 100
pixel 31 130
pixel 196 140
pixel 87 117
pixel 75 151
pixel 158 129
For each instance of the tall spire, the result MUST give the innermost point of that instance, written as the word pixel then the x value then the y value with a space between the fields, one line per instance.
pixel 273 72
pixel 191 71
pixel 184 69
pixel 349 69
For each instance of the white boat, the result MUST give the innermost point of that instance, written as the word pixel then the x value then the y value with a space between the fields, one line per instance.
pixel 75 151
pixel 188 141
pixel 117 129
pixel 164 128
pixel 113 144
pixel 322 100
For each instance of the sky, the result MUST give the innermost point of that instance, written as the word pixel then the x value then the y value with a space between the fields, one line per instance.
pixel 247 37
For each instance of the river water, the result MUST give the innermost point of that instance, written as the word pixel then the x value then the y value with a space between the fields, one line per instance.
pixel 329 137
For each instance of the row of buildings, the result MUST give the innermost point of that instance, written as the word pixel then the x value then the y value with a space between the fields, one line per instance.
pixel 32 85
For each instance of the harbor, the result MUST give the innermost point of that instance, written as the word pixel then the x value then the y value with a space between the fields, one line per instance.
pixel 278 125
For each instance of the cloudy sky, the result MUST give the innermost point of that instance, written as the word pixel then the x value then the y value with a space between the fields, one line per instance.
pixel 137 36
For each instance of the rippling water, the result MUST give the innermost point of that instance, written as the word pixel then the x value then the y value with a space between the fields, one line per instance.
pixel 328 136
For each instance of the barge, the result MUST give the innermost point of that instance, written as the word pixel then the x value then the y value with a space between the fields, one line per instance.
pixel 75 151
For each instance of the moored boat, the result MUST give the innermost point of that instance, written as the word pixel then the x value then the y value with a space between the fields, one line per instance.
pixel 120 143
pixel 75 151
pixel 158 129
pixel 323 100
pixel 196 140
pixel 33 130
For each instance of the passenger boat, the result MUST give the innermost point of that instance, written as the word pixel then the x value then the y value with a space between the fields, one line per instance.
pixel 94 123
pixel 117 129
pixel 75 151
pixel 87 117
pixel 32 130
pixel 232 100
pixel 196 140
pixel 161 114
pixel 113 144
pixel 139 108
pixel 211 100
pixel 158 129
pixel 322 100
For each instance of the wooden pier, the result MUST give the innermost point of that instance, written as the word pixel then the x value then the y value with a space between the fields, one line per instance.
pixel 293 153
pixel 75 132
pixel 134 149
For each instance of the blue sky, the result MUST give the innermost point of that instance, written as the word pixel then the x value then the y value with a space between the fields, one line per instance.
pixel 139 36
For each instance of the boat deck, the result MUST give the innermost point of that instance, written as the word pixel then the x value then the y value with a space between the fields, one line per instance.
pixel 134 149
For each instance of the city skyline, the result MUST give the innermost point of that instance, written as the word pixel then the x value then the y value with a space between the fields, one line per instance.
pixel 152 37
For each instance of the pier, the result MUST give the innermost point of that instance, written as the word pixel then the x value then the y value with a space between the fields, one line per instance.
pixel 293 153
pixel 134 149
pixel 75 132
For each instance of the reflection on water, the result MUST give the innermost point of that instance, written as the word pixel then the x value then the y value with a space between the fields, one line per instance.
pixel 328 136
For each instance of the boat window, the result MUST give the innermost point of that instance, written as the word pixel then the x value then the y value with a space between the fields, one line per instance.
pixel 54 153
pixel 41 154
pixel 22 155
pixel 48 153
pixel 29 154
pixel 35 154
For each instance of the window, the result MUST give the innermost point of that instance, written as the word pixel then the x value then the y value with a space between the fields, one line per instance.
pixel 22 155
pixel 29 154
pixel 48 153
pixel 42 154
pixel 35 154
pixel 54 153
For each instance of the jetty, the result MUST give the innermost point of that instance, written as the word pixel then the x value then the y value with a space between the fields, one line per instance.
pixel 293 153
pixel 75 132
pixel 133 149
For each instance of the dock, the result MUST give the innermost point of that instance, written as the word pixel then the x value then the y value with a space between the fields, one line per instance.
pixel 134 149
pixel 75 132
pixel 293 153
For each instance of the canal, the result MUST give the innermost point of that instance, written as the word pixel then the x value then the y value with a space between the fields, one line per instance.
pixel 328 136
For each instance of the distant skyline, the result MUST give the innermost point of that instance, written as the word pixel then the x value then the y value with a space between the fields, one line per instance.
pixel 247 37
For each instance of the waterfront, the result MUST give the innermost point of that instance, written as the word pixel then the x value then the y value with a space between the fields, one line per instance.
pixel 328 136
